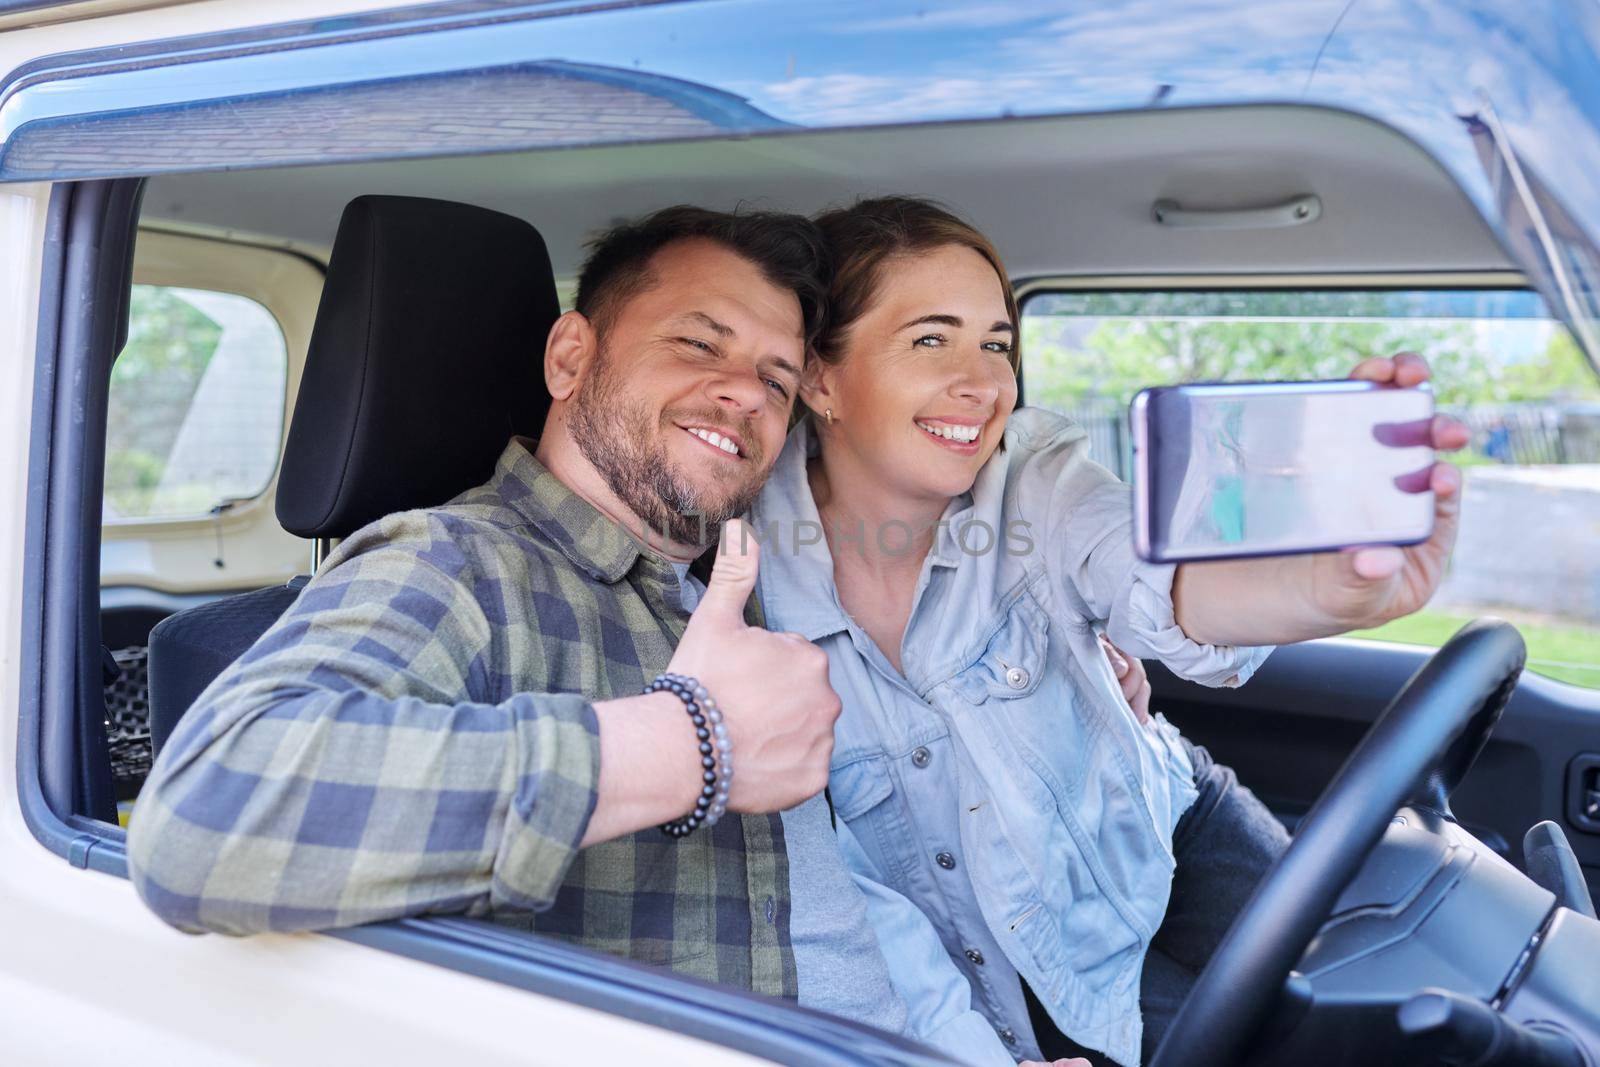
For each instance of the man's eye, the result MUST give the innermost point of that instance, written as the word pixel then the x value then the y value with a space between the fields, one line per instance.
pixel 778 387
pixel 695 342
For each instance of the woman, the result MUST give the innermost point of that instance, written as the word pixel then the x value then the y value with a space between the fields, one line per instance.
pixel 988 766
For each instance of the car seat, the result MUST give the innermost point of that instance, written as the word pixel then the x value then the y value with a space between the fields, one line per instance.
pixel 425 358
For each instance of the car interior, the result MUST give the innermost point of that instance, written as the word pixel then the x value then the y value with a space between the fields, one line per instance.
pixel 412 344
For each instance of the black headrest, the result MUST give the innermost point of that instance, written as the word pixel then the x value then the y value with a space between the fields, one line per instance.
pixel 426 357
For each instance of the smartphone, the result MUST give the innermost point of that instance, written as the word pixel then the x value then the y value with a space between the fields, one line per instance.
pixel 1228 470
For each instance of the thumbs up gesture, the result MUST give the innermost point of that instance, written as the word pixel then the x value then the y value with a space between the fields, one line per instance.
pixel 772 687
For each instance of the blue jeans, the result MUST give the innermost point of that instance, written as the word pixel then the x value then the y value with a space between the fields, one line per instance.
pixel 1223 845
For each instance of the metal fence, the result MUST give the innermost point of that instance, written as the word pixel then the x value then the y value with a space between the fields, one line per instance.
pixel 1519 434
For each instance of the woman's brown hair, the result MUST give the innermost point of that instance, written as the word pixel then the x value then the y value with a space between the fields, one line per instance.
pixel 862 240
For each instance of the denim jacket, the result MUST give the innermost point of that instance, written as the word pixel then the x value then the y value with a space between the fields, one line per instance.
pixel 1002 784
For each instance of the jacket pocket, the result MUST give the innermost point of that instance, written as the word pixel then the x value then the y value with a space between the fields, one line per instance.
pixel 859 786
pixel 863 792
pixel 1013 661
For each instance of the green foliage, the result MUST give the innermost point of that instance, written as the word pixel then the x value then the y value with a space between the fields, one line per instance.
pixel 1107 346
pixel 168 338
pixel 153 382
pixel 131 480
pixel 1557 648
pixel 1563 374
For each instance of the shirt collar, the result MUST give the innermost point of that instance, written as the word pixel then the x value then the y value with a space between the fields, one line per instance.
pixel 796 567
pixel 797 579
pixel 584 534
pixel 983 502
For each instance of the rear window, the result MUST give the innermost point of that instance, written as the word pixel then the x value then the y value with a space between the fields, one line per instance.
pixel 196 404
pixel 1502 364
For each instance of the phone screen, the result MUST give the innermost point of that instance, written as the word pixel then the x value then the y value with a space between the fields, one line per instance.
pixel 1259 469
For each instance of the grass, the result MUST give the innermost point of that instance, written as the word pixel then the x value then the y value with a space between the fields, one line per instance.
pixel 1557 649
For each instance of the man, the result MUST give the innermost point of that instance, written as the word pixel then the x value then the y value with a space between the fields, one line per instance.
pixel 449 717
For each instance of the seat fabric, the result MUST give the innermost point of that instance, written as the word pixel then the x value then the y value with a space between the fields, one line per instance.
pixel 425 358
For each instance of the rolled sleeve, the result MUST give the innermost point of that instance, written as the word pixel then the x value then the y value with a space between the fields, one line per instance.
pixel 1141 620
pixel 1089 550
pixel 356 764
pixel 556 790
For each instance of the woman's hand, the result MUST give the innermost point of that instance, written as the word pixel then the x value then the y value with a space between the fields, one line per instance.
pixel 1370 586
pixel 1282 599
pixel 1130 673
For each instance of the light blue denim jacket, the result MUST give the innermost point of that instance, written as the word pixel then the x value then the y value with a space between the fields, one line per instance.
pixel 1002 784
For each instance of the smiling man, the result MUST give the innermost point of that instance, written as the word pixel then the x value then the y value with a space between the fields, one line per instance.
pixel 455 705
pixel 642 437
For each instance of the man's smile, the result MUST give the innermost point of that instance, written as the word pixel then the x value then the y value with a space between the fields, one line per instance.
pixel 722 441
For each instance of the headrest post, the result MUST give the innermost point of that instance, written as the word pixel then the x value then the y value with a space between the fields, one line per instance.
pixel 320 548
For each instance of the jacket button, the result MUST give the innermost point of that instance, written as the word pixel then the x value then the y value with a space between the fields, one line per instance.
pixel 1017 678
pixel 945 860
pixel 975 956
pixel 1008 1037
pixel 921 757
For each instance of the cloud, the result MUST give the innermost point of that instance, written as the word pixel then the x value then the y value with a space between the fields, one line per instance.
pixel 965 16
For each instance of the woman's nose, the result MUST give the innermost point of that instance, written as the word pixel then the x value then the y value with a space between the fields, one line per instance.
pixel 977 381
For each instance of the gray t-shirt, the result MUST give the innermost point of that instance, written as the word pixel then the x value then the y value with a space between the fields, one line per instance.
pixel 836 954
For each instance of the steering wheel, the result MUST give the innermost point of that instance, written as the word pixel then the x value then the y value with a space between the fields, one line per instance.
pixel 1419 750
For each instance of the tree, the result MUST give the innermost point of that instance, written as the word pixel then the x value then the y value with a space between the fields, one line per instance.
pixel 153 382
pixel 1099 349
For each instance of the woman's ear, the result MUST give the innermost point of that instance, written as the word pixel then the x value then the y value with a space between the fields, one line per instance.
pixel 818 386
pixel 569 352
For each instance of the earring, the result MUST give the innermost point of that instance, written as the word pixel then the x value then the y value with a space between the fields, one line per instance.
pixel 827 413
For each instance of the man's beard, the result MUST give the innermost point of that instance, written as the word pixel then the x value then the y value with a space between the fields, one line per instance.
pixel 617 437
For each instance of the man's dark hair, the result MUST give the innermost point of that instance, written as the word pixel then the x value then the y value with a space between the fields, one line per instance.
pixel 788 249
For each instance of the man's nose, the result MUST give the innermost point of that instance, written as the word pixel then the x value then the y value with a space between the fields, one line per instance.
pixel 741 391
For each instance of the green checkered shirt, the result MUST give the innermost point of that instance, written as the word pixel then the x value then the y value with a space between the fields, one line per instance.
pixel 415 735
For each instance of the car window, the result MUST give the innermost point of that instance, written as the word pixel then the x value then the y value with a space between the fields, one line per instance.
pixel 1531 511
pixel 196 404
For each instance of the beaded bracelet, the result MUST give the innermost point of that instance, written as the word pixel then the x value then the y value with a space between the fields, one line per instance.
pixel 715 752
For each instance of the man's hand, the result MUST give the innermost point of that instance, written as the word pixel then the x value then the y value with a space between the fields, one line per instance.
pixel 1131 676
pixel 1370 586
pixel 775 699
pixel 772 687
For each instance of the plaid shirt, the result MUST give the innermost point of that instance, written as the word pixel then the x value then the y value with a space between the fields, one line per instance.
pixel 415 735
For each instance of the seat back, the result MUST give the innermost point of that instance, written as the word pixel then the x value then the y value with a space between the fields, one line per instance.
pixel 425 358
pixel 191 647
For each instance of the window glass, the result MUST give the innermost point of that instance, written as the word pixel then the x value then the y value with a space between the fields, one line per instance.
pixel 196 405
pixel 1531 513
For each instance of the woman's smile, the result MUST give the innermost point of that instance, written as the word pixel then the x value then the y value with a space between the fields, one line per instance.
pixel 958 436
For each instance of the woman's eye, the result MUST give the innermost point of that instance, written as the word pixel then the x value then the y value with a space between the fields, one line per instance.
pixel 998 346
pixel 931 340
